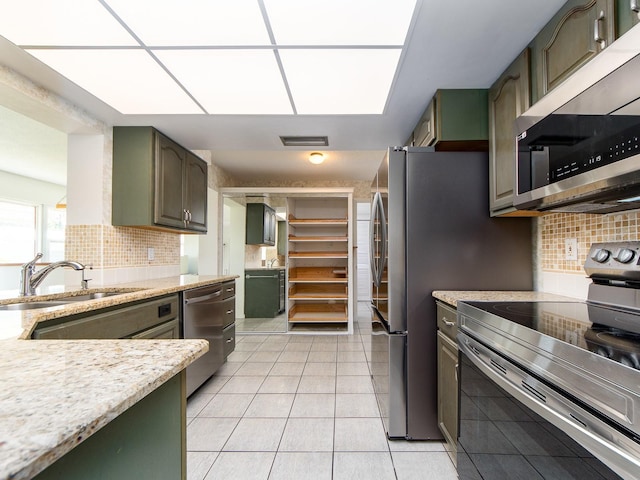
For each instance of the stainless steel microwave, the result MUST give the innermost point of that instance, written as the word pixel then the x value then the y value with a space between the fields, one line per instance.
pixel 583 156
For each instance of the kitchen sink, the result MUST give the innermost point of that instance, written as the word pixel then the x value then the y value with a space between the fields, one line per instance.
pixel 58 301
pixel 32 305
pixel 89 296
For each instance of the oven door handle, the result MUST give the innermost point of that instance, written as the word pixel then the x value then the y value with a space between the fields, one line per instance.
pixel 616 450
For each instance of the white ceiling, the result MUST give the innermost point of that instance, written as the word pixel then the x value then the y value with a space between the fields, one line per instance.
pixel 449 45
pixel 32 149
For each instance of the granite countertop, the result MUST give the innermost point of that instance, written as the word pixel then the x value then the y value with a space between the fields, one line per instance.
pixel 96 380
pixel 452 297
pixel 20 324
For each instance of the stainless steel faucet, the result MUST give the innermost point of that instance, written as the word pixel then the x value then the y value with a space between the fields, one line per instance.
pixel 30 279
pixel 272 261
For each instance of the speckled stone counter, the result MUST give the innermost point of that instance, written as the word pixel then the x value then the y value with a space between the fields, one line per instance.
pixel 20 324
pixel 55 394
pixel 452 297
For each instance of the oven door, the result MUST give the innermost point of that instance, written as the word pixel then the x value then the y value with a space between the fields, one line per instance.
pixel 512 425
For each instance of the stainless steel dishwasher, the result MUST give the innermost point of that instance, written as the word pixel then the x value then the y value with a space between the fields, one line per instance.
pixel 209 313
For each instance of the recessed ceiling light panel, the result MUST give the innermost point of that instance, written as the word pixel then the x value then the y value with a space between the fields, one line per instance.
pixel 140 85
pixel 194 22
pixel 340 81
pixel 61 22
pixel 340 22
pixel 230 81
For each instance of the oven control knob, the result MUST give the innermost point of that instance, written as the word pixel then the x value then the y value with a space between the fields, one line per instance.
pixel 625 255
pixel 601 255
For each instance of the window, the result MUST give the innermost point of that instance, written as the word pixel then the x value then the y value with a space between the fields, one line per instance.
pixel 28 229
pixel 53 234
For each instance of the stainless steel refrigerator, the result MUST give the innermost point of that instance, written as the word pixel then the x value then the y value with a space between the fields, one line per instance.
pixel 431 230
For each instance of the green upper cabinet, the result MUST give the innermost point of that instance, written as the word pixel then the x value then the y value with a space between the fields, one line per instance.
pixel 578 32
pixel 627 15
pixel 196 182
pixel 261 224
pixel 157 183
pixel 455 119
pixel 509 97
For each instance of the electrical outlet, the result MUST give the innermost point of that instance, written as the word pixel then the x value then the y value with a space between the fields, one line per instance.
pixel 571 249
pixel 151 254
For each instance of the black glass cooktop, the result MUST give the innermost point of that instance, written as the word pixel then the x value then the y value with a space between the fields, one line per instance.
pixel 610 332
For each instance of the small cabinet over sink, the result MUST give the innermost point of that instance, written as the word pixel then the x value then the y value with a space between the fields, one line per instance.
pixel 157 183
pixel 261 224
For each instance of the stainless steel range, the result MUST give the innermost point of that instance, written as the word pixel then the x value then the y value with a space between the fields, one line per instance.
pixel 552 389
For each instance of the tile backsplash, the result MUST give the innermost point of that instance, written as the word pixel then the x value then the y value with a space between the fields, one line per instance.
pixel 554 228
pixel 105 246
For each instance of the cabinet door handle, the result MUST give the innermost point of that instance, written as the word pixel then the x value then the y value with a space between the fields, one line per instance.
pixel 448 323
pixel 229 340
pixel 635 7
pixel 598 29
pixel 185 217
pixel 229 312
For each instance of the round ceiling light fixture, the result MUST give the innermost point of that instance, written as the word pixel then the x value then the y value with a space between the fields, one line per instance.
pixel 316 158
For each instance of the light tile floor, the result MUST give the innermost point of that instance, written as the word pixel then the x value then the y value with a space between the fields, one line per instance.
pixel 300 406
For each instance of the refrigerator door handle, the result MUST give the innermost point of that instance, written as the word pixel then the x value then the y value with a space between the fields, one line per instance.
pixel 383 250
pixel 379 327
pixel 372 239
pixel 377 265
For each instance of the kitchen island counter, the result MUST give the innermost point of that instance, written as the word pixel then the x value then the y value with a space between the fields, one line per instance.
pixel 57 394
pixel 20 324
pixel 452 297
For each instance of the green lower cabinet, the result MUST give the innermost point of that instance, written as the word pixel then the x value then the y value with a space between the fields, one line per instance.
pixel 261 293
pixel 146 442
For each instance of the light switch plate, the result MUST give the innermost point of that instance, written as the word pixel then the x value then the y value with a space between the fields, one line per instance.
pixel 571 249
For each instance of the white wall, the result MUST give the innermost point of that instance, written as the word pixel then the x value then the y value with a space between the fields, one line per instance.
pixel 363 212
pixel 233 235
pixel 85 180
pixel 208 244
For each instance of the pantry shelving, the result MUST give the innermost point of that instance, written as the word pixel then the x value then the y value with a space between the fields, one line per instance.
pixel 319 254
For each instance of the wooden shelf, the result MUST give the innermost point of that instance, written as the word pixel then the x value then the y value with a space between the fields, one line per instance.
pixel 323 254
pixel 321 291
pixel 318 275
pixel 293 221
pixel 318 238
pixel 318 313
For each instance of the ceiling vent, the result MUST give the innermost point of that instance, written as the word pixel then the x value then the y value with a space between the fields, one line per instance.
pixel 293 141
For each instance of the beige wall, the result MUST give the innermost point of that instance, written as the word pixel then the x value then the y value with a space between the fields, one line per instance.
pixel 361 189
